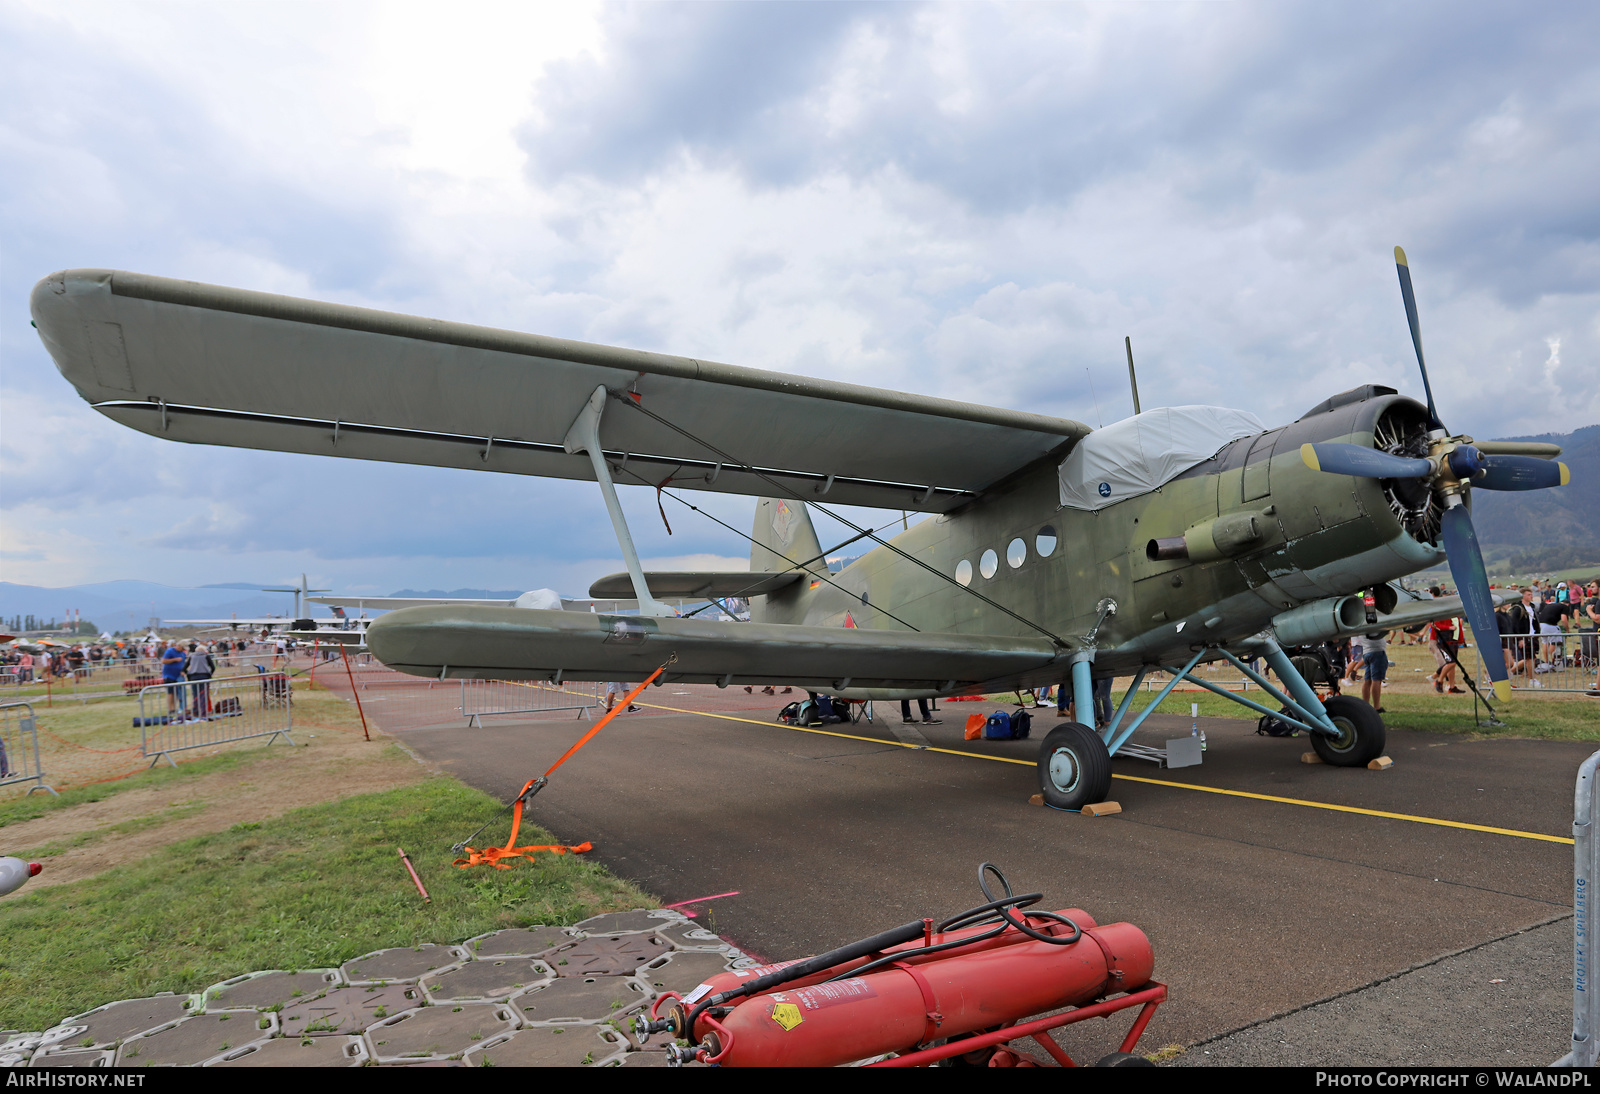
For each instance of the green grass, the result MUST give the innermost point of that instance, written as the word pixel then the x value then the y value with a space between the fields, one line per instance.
pixel 17 809
pixel 312 888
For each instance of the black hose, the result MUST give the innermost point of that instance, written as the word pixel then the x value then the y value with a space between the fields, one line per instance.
pixel 810 966
pixel 983 913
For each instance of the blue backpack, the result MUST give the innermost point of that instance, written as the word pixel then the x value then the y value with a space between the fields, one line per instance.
pixel 1001 726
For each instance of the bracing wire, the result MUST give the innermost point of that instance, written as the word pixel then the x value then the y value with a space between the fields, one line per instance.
pixel 787 492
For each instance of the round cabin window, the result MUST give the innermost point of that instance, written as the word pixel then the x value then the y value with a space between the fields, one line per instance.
pixel 1045 541
pixel 989 563
pixel 964 572
pixel 1016 553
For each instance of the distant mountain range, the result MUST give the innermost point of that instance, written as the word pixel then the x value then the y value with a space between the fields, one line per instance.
pixel 1545 530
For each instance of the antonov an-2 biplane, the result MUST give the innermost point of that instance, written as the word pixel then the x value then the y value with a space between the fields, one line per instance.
pixel 1056 553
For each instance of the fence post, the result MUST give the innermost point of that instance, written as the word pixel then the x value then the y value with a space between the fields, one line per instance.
pixel 355 692
pixel 1584 849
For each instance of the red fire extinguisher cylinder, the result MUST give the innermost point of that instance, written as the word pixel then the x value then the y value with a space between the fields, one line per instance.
pixel 895 1008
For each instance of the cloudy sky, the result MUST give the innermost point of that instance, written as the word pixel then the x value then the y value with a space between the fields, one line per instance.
pixel 969 200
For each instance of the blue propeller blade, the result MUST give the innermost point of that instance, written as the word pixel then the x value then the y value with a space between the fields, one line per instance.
pixel 1410 298
pixel 1472 582
pixel 1366 463
pixel 1521 473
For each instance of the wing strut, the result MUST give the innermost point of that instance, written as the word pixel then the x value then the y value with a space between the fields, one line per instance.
pixel 584 436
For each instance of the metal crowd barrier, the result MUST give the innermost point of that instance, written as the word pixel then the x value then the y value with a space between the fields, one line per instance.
pixel 1585 867
pixel 1551 662
pixel 19 748
pixel 198 714
pixel 483 697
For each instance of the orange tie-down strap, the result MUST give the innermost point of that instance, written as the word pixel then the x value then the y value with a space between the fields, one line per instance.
pixel 493 855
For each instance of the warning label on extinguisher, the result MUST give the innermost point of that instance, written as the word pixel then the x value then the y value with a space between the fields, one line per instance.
pixel 831 995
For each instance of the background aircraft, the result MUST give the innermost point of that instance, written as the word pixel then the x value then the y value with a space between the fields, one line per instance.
pixel 1056 553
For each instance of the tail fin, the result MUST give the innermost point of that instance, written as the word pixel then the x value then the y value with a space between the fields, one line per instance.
pixel 783 536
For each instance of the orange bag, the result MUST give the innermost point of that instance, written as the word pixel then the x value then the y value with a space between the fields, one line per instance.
pixel 975 724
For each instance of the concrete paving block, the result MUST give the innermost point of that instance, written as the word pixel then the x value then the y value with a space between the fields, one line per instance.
pixel 16 1047
pixel 435 1032
pixel 688 935
pixel 582 999
pixel 105 1026
pixel 190 1041
pixel 640 919
pixel 75 1057
pixel 552 1046
pixel 683 970
pixel 348 1010
pixel 299 1052
pixel 267 989
pixel 491 979
pixel 607 955
pixel 654 1056
pixel 518 941
pixel 401 964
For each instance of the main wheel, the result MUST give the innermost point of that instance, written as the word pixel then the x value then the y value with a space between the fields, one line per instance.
pixel 1361 733
pixel 1074 767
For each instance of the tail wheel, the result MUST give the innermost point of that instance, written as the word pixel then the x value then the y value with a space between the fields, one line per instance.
pixel 1361 733
pixel 1074 767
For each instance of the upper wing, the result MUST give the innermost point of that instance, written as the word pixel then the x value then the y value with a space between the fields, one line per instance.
pixel 210 365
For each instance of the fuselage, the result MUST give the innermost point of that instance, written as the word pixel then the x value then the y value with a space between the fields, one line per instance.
pixel 1321 535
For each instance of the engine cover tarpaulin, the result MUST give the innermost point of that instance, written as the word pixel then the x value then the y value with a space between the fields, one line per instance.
pixel 1138 454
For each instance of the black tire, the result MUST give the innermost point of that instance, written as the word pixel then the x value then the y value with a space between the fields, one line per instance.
pixel 1362 734
pixel 1074 767
pixel 1123 1059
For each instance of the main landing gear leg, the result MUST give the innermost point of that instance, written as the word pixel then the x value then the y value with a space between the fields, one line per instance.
pixel 1345 731
pixel 1074 763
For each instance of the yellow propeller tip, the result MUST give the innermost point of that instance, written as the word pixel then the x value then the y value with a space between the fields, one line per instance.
pixel 1400 256
pixel 1502 690
pixel 1566 473
pixel 1308 453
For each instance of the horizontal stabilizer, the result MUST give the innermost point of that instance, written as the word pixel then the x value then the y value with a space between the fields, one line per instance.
pixel 512 644
pixel 737 583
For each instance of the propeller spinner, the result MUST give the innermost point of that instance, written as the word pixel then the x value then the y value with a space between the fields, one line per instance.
pixel 1452 466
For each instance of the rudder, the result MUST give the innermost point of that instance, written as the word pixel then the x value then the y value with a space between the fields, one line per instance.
pixel 783 536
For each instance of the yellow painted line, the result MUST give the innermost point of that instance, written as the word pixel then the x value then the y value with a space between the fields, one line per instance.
pixel 1153 782
pixel 1353 809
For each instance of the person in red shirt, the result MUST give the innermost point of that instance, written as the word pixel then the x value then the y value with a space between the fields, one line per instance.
pixel 1444 638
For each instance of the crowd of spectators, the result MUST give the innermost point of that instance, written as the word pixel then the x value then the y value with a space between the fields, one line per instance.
pixel 1553 625
pixel 36 662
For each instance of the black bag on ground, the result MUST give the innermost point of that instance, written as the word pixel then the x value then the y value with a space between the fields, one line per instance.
pixel 1272 726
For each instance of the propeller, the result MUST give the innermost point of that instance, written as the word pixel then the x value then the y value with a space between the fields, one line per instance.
pixel 1453 465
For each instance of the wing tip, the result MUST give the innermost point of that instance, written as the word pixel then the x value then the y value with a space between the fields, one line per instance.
pixel 1308 453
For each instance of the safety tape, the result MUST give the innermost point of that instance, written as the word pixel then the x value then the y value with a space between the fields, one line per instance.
pixel 1412 818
